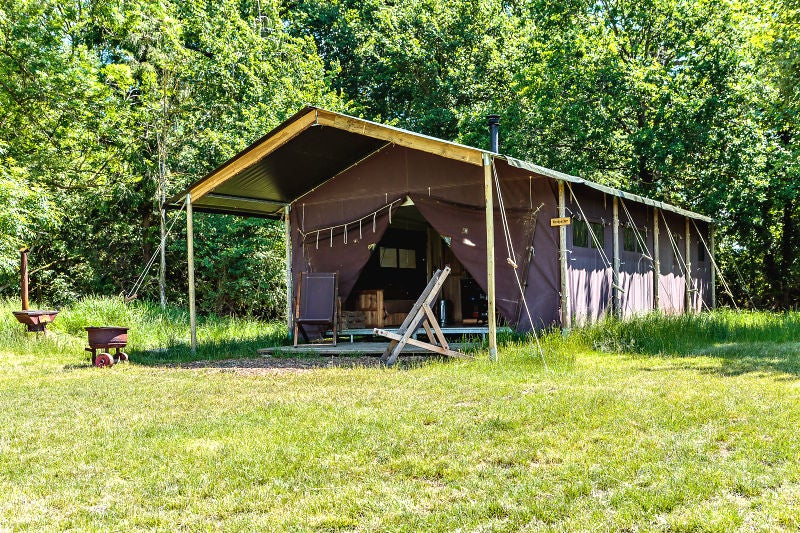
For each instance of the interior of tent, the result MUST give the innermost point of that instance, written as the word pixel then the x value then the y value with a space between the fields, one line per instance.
pixel 398 270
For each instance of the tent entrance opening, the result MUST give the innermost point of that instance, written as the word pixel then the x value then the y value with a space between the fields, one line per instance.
pixel 397 272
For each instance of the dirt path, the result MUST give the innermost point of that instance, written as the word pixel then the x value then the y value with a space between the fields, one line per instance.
pixel 283 365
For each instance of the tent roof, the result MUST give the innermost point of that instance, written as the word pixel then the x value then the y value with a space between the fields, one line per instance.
pixel 315 145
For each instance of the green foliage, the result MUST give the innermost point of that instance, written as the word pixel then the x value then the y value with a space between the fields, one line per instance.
pixel 27 211
pixel 107 109
pixel 241 265
pixel 693 103
pixel 110 108
pixel 420 64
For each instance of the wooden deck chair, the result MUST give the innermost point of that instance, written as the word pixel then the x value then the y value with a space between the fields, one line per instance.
pixel 316 303
pixel 420 314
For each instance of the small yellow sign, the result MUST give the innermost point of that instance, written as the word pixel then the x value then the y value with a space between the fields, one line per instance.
pixel 564 221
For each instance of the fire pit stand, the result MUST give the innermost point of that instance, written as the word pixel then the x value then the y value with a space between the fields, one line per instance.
pixel 104 339
pixel 34 320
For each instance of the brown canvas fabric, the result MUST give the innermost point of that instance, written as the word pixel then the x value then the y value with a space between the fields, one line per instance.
pixel 450 195
pixel 636 267
pixel 465 229
pixel 318 249
pixel 541 279
pixel 588 269
pixel 590 275
pixel 672 284
pixel 701 269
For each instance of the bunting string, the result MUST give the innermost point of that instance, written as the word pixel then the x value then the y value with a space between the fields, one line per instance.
pixel 344 226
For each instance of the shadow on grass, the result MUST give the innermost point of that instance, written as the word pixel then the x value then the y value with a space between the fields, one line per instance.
pixel 299 363
pixel 736 359
pixel 207 351
pixel 243 354
pixel 739 358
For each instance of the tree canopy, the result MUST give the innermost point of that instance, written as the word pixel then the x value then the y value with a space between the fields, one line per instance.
pixel 107 108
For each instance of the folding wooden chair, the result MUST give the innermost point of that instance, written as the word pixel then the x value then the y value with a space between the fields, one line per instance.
pixel 420 314
pixel 316 303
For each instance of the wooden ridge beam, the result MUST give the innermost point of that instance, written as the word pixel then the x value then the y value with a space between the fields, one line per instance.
pixel 401 138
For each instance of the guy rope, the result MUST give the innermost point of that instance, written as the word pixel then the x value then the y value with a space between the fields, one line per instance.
pixel 511 259
pixel 140 280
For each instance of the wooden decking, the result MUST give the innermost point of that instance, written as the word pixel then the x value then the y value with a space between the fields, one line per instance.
pixel 349 348
pixel 373 347
pixel 454 330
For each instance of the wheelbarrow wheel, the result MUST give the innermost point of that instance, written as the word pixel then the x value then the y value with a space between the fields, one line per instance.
pixel 123 357
pixel 103 359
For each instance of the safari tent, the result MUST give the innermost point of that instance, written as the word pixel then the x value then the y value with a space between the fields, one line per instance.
pixel 385 207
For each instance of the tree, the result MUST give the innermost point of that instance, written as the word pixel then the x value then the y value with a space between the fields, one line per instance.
pixel 112 107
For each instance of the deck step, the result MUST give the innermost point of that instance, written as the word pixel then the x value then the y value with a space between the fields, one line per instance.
pixel 347 348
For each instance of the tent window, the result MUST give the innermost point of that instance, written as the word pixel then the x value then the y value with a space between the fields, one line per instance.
pixel 580 234
pixel 398 258
pixel 407 258
pixel 629 241
pixel 388 257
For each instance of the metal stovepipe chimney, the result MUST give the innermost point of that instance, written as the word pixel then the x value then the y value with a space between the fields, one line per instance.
pixel 494 133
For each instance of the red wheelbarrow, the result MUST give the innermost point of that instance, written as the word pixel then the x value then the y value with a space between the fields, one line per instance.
pixel 104 339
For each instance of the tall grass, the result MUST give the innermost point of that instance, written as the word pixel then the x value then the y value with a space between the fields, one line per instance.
pixel 658 334
pixel 156 335
pixel 160 336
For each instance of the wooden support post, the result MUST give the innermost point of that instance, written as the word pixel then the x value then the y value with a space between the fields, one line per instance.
pixel 490 271
pixel 190 254
pixel 566 312
pixel 713 262
pixel 289 281
pixel 615 286
pixel 656 264
pixel 23 276
pixel 688 255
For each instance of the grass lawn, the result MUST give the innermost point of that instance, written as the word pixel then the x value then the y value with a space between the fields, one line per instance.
pixel 661 424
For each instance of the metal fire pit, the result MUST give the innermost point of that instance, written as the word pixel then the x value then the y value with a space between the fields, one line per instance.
pixel 34 320
pixel 104 338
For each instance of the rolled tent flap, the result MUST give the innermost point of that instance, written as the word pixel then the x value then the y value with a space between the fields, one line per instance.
pixel 346 252
pixel 464 228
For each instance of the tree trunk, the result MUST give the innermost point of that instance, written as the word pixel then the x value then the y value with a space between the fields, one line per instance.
pixel 772 270
pixel 788 250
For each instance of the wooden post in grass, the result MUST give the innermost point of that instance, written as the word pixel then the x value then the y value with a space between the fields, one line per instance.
pixel 713 262
pixel 289 280
pixel 656 264
pixel 688 254
pixel 615 287
pixel 490 295
pixel 190 254
pixel 566 314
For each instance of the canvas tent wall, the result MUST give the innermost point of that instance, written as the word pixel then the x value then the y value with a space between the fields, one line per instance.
pixel 341 221
pixel 590 269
